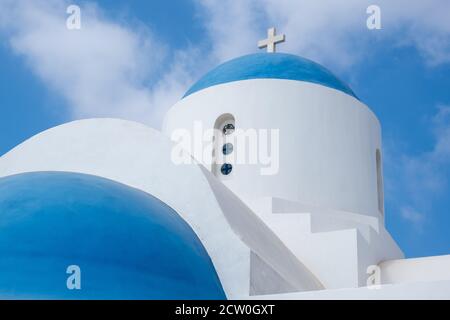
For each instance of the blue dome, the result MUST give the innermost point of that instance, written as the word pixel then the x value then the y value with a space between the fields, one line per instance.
pixel 127 243
pixel 270 66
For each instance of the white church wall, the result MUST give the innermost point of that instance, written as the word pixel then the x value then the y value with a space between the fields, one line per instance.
pixel 378 247
pixel 139 156
pixel 349 242
pixel 435 268
pixel 328 140
pixel 437 290
pixel 331 255
pixel 263 242
pixel 265 280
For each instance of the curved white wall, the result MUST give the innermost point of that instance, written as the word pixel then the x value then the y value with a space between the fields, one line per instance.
pixel 139 156
pixel 328 140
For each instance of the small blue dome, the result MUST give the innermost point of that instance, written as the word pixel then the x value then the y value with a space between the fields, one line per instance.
pixel 270 66
pixel 127 243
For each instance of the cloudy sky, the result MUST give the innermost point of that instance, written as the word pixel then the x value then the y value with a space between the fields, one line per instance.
pixel 134 59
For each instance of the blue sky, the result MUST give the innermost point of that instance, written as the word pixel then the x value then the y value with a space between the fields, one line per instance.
pixel 133 59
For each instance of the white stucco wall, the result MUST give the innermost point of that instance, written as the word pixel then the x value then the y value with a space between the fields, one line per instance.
pixel 437 290
pixel 139 156
pixel 338 250
pixel 328 140
pixel 426 269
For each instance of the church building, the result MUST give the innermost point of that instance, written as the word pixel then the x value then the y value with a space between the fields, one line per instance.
pixel 265 182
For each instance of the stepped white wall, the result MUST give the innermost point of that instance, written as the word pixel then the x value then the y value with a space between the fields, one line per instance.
pixel 328 141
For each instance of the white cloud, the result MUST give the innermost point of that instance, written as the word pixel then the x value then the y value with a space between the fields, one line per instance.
pixel 413 216
pixel 414 181
pixel 104 69
pixel 333 32
pixel 112 69
pixel 233 27
pixel 426 171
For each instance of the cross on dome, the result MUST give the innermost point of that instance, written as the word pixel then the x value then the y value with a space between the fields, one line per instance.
pixel 272 40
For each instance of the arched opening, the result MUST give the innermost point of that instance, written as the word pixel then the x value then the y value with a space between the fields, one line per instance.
pixel 379 182
pixel 222 164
